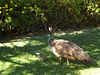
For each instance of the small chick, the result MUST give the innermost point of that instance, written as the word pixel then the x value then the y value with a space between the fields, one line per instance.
pixel 41 56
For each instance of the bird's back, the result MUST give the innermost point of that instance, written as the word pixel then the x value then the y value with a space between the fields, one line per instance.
pixel 70 50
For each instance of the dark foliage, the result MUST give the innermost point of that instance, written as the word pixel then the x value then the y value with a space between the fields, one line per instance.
pixel 23 16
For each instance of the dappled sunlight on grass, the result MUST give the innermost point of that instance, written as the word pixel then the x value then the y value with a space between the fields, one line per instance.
pixel 90 71
pixel 69 33
pixel 7 44
pixel 61 33
pixel 20 44
pixel 17 43
pixel 76 32
pixel 25 59
pixel 4 66
pixel 18 56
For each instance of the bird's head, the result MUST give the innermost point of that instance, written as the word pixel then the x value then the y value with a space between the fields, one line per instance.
pixel 50 28
pixel 37 53
pixel 50 31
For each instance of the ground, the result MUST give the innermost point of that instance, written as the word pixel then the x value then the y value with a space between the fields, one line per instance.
pixel 17 56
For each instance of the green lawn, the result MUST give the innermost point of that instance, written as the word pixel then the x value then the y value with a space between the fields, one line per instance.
pixel 17 56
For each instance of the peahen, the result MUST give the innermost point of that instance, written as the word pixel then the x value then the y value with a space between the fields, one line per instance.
pixel 67 49
pixel 41 56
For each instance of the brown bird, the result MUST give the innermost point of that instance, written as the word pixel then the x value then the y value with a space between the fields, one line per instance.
pixel 68 49
pixel 41 56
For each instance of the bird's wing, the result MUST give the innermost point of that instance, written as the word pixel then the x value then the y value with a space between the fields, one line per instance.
pixel 72 51
pixel 67 48
pixel 63 52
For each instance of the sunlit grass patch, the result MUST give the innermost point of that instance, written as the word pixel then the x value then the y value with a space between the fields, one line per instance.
pixel 27 58
pixel 91 71
pixel 18 56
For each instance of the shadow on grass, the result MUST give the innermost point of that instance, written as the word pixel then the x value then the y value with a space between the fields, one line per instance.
pixel 89 40
pixel 38 68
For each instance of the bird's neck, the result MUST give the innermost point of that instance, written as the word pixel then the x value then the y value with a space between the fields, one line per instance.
pixel 50 41
pixel 50 34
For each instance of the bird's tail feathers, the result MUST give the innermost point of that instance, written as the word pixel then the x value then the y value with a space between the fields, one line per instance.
pixel 87 59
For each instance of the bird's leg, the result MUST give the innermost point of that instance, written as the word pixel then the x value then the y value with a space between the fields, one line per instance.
pixel 67 62
pixel 60 61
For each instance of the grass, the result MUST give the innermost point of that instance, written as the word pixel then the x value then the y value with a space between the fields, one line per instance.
pixel 17 56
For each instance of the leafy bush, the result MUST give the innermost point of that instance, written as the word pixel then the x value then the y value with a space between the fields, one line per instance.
pixel 18 16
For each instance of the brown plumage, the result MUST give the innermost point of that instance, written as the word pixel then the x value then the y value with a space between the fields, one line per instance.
pixel 41 56
pixel 67 49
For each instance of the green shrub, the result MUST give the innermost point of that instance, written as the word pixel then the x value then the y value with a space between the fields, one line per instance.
pixel 36 15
